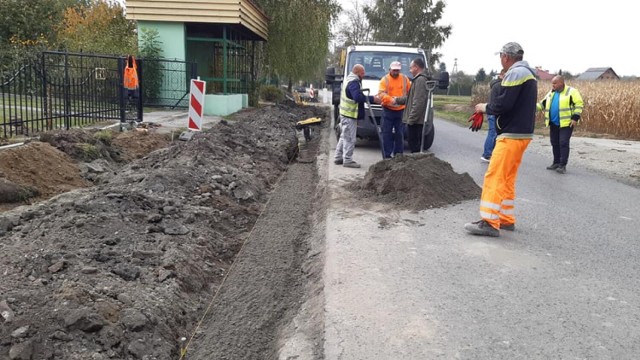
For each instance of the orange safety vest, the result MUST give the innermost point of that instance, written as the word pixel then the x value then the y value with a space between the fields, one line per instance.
pixel 390 87
pixel 131 73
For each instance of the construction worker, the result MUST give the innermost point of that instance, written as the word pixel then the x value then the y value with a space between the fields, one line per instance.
pixel 490 140
pixel 416 102
pixel 515 109
pixel 562 108
pixel 351 110
pixel 312 93
pixel 394 84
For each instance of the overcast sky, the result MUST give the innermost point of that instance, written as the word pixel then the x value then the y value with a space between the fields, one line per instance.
pixel 569 35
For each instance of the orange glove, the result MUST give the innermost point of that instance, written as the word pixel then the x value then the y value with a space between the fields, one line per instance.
pixel 476 121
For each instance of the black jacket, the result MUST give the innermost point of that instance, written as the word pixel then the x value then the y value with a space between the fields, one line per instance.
pixel 515 105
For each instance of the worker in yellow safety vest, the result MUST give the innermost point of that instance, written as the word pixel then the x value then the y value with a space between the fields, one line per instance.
pixel 352 101
pixel 562 108
pixel 394 84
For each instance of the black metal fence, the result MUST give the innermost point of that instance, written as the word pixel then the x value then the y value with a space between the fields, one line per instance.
pixel 166 82
pixel 64 90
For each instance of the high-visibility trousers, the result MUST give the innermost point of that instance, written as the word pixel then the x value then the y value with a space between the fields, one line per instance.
pixel 499 187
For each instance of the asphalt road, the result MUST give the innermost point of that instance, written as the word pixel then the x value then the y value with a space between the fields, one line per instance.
pixel 564 285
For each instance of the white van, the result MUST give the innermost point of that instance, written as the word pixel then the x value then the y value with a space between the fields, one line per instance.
pixel 376 59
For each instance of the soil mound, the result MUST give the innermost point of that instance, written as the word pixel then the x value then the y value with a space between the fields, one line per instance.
pixel 64 160
pixel 416 182
pixel 40 166
pixel 88 145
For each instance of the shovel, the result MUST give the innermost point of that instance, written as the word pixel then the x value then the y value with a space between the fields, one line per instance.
pixel 431 85
pixel 372 118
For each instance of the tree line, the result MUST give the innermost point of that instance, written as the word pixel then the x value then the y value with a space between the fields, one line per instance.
pixel 300 31
pixel 31 26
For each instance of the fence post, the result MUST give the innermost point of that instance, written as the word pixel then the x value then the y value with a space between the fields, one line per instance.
pixel 121 88
pixel 67 100
pixel 140 88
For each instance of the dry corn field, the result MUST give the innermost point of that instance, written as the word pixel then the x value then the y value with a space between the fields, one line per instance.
pixel 611 108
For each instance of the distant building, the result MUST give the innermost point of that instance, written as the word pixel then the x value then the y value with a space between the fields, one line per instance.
pixel 604 73
pixel 543 74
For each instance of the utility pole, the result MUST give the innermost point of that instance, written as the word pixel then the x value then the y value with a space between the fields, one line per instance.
pixel 454 77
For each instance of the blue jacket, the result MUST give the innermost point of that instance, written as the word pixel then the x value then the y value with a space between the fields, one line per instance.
pixel 354 92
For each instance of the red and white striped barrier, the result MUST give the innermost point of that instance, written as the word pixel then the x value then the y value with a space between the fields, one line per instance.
pixel 196 104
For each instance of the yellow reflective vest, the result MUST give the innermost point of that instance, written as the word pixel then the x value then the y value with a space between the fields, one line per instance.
pixel 570 106
pixel 348 107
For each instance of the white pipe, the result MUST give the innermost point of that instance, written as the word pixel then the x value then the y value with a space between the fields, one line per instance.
pixel 11 146
pixel 111 126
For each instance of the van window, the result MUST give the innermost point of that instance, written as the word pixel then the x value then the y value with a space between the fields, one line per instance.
pixel 376 63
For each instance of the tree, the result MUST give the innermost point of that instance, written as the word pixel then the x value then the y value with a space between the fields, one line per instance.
pixel 567 75
pixel 411 22
pixel 356 29
pixel 299 31
pixel 80 24
pixel 151 50
pixel 27 27
pixel 462 85
pixel 481 75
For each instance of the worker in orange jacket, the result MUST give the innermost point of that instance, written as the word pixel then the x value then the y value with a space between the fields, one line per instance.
pixel 394 84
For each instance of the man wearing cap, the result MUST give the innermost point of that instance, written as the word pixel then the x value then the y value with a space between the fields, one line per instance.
pixel 392 85
pixel 514 108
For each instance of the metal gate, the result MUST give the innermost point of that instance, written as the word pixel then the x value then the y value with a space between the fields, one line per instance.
pixel 64 90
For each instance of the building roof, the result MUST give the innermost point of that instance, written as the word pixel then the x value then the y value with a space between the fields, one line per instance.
pixel 241 12
pixel 544 74
pixel 594 73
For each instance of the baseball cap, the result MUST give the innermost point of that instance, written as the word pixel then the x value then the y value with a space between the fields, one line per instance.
pixel 396 65
pixel 511 48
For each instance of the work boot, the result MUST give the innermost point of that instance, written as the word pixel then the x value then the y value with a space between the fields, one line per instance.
pixel 561 169
pixel 481 228
pixel 351 164
pixel 510 227
pixel 337 161
pixel 553 166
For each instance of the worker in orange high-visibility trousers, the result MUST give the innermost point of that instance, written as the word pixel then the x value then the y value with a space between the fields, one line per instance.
pixel 515 110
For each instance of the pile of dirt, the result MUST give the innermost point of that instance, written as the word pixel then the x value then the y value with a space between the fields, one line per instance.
pixel 41 167
pixel 125 268
pixel 416 182
pixel 64 160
